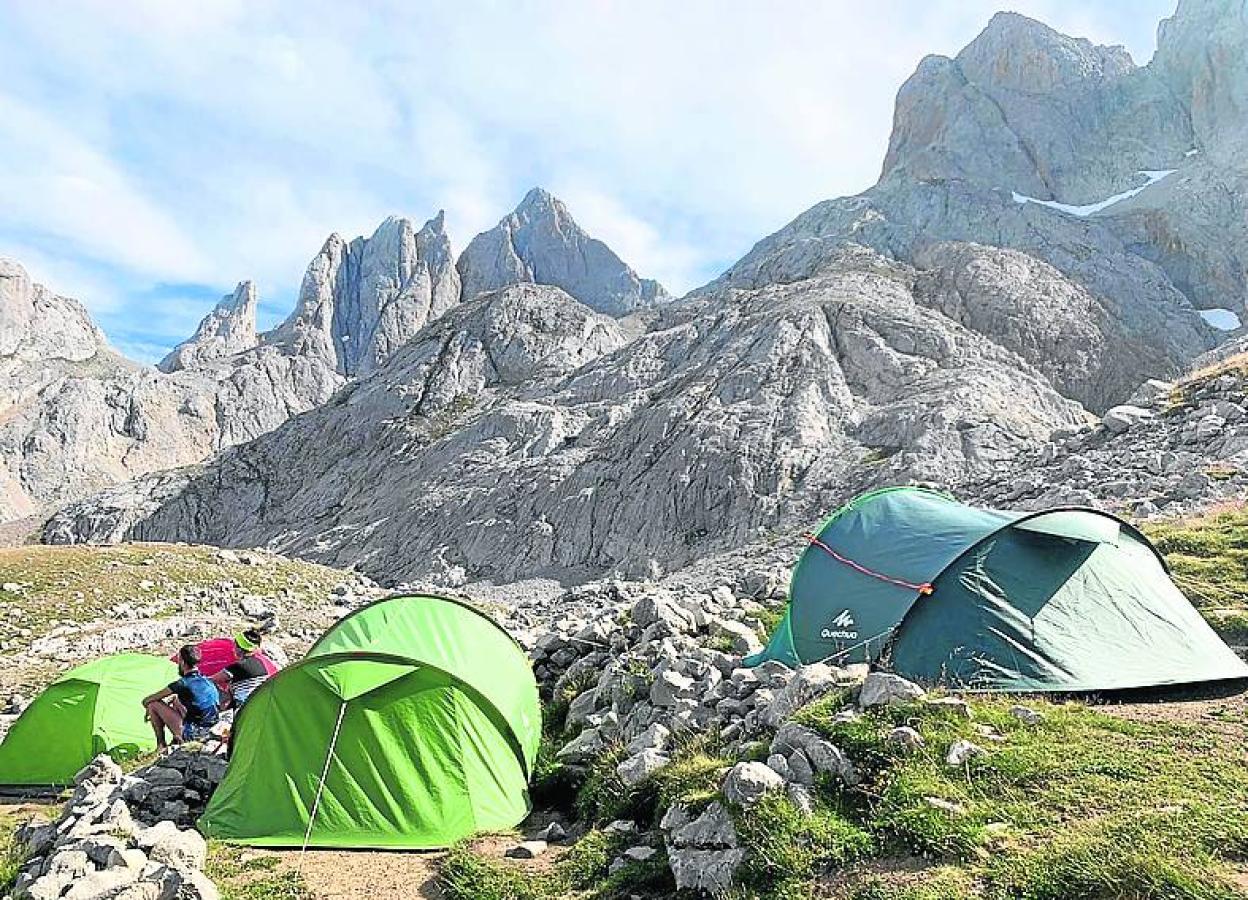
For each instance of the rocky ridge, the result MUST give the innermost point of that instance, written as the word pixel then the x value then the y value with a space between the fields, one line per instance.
pixel 229 329
pixel 1003 145
pixel 736 414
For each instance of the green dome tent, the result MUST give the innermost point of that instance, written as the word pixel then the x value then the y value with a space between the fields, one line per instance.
pixel 412 723
pixel 93 709
pixel 1062 600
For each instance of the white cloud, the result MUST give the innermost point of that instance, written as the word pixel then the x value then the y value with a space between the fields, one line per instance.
pixel 53 184
pixel 213 142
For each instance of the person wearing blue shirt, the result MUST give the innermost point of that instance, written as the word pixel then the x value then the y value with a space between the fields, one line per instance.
pixel 188 707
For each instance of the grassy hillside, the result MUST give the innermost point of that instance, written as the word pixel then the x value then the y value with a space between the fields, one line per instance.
pixel 1208 556
pixel 42 585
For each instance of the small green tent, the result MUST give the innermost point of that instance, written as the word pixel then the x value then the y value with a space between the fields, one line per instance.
pixel 412 723
pixel 93 709
pixel 1068 599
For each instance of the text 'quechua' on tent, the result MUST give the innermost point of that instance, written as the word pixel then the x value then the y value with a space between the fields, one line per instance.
pixel 1066 599
pixel 92 709
pixel 412 723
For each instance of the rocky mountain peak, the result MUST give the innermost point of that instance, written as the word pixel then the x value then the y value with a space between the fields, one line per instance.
pixel 230 328
pixel 38 325
pixel 1028 109
pixel 361 300
pixel 541 243
pixel 1017 53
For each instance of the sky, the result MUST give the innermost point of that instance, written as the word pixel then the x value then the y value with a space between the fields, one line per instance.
pixel 153 154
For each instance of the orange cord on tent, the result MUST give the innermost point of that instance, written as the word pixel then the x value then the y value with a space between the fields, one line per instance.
pixel 924 588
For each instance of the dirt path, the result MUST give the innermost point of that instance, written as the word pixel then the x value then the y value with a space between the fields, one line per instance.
pixel 364 875
pixel 373 875
pixel 1221 709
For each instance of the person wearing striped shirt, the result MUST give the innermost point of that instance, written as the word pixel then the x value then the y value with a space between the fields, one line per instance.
pixel 242 678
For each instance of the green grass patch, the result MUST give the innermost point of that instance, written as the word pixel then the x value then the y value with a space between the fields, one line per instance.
pixel 1085 804
pixel 464 875
pixel 787 849
pixel 583 872
pixel 240 875
pixel 11 856
pixel 1208 557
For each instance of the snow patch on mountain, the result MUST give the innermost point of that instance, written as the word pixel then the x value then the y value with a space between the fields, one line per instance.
pixel 1221 319
pixel 1152 176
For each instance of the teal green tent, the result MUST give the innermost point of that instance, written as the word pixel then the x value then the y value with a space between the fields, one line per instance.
pixel 1066 599
pixel 412 723
pixel 93 709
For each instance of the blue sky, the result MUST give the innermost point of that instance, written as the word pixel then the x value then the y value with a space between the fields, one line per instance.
pixel 153 154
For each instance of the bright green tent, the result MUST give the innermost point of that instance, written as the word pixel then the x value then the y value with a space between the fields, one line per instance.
pixel 93 709
pixel 1068 599
pixel 412 723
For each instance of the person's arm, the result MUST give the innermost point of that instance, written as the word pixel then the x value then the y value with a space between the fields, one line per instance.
pixel 223 678
pixel 168 691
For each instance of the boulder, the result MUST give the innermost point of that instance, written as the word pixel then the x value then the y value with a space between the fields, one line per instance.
pixel 886 689
pixel 101 770
pixel 742 638
pixel 747 782
pixel 955 706
pixel 656 608
pixel 670 687
pixel 181 884
pixel 179 849
pixel 636 769
pixel 905 737
pixel 101 885
pixel 823 755
pixel 1026 715
pixel 1123 418
pixel 808 684
pixel 703 853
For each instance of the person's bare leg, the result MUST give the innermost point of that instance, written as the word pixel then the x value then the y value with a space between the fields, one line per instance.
pixel 164 715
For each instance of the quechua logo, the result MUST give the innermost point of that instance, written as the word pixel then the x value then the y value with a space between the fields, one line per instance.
pixel 841 628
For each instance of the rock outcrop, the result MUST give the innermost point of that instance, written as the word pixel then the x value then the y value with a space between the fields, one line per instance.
pixel 229 329
pixel 541 243
pixel 79 416
pixel 124 836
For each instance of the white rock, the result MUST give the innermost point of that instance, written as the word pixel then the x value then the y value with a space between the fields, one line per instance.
pixel 527 850
pixel 961 752
pixel 747 782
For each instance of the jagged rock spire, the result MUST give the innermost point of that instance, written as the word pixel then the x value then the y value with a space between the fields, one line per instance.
pixel 229 329
pixel 362 300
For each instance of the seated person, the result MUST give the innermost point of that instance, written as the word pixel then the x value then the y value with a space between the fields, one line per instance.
pixel 187 707
pixel 240 679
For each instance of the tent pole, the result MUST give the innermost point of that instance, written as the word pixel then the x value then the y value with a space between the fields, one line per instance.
pixel 320 787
